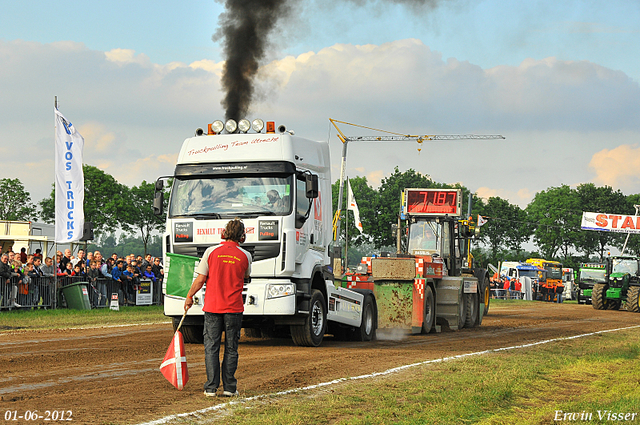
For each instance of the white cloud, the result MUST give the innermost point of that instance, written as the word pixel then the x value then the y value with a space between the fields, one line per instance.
pixel 406 82
pixel 127 56
pixel 97 139
pixel 132 173
pixel 134 113
pixel 618 167
pixel 521 197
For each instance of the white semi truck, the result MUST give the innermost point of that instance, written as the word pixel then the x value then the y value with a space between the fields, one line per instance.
pixel 280 186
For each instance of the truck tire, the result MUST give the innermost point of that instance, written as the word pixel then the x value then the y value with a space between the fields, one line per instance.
pixel 429 312
pixel 192 334
pixel 633 299
pixel 471 315
pixel 614 304
pixel 598 299
pixel 311 333
pixel 487 297
pixel 367 329
pixel 253 332
pixel 462 309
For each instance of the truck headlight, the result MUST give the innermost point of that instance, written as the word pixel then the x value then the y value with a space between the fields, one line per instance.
pixel 280 290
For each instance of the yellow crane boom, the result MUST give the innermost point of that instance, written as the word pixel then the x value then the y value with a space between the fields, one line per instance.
pixel 393 137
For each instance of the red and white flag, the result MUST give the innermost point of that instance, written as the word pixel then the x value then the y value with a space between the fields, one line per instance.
pixel 481 220
pixel 174 366
pixel 353 206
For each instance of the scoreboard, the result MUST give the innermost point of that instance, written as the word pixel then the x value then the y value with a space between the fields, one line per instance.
pixel 433 202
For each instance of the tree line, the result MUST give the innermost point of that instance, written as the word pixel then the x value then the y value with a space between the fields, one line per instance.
pixel 551 221
pixel 108 204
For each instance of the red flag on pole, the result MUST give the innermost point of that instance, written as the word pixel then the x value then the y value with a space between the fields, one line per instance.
pixel 174 365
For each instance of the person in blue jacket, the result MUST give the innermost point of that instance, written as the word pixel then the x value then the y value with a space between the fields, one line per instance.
pixel 116 275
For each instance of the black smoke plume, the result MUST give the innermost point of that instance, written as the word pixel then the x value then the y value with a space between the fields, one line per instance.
pixel 244 28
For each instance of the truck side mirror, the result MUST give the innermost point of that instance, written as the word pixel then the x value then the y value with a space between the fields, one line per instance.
pixel 311 186
pixel 158 198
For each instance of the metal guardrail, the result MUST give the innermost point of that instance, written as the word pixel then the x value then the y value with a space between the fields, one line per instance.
pixel 41 293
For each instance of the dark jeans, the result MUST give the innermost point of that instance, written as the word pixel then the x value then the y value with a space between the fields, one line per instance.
pixel 214 324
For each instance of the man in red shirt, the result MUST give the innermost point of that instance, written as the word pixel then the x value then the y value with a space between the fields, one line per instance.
pixel 223 268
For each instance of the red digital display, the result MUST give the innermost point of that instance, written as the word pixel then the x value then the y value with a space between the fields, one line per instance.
pixel 433 201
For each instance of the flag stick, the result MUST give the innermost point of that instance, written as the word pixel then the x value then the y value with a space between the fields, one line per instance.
pixel 183 316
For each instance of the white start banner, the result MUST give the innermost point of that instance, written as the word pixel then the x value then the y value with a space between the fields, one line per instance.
pixel 610 222
pixel 69 181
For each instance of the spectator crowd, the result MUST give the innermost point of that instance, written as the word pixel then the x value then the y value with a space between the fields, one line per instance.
pixel 26 279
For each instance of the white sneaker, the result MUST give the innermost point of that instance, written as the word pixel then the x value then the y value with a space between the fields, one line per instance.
pixel 208 394
pixel 230 394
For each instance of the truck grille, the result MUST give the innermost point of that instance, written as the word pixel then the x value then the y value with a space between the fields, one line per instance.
pixel 258 251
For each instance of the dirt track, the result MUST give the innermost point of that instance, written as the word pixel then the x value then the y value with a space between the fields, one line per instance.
pixel 111 375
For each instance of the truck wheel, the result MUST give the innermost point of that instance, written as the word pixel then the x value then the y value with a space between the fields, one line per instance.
pixel 367 330
pixel 487 298
pixel 191 334
pixel 253 332
pixel 598 299
pixel 311 333
pixel 429 313
pixel 471 315
pixel 614 304
pixel 462 309
pixel 633 299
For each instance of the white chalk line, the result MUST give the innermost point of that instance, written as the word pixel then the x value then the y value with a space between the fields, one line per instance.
pixel 221 406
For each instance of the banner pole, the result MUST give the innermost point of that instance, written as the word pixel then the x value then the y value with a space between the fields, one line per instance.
pixel 54 296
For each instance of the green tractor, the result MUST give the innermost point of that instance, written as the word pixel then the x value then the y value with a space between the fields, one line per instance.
pixel 589 274
pixel 622 285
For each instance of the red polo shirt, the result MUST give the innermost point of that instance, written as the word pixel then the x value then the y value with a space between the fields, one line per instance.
pixel 225 266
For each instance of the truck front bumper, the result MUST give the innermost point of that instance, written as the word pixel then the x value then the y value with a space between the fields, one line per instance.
pixel 269 297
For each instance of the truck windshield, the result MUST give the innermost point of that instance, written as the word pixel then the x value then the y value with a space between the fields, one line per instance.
pixel 229 196
pixel 533 274
pixel 553 272
pixel 622 265
pixel 596 275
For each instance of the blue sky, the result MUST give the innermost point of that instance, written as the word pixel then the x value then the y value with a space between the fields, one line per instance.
pixel 558 79
pixel 486 33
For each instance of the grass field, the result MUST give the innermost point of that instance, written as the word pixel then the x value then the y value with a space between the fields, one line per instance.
pixel 594 379
pixel 562 382
pixel 65 318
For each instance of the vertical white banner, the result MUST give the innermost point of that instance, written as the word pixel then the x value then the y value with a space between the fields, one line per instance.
pixel 69 181
pixel 353 206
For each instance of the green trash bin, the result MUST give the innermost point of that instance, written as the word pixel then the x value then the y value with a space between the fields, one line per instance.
pixel 77 295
